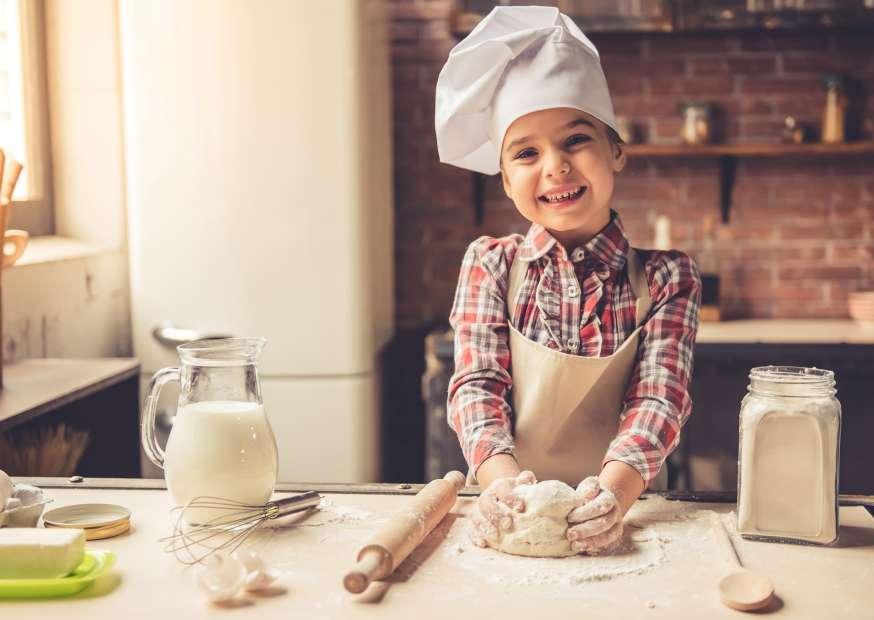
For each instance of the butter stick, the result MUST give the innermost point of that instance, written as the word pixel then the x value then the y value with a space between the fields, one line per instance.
pixel 39 553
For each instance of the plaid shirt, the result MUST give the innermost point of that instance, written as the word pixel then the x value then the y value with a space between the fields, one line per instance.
pixel 579 303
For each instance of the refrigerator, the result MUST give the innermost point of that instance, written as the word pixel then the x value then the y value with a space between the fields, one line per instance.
pixel 258 187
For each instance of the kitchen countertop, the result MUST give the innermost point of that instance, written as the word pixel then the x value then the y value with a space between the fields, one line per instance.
pixel 786 331
pixel 670 570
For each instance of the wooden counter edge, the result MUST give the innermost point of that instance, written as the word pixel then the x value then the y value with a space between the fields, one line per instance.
pixel 378 488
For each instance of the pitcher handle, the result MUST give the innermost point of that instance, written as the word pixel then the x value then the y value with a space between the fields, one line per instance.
pixel 147 426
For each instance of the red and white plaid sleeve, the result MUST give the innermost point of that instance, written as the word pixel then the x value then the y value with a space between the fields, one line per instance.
pixel 657 402
pixel 478 409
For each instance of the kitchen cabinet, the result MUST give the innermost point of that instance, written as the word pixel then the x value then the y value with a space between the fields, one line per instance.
pixel 710 438
pixel 98 396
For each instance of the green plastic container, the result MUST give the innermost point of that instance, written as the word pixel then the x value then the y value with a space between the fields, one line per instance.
pixel 94 565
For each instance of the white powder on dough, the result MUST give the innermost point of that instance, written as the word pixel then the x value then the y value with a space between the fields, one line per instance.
pixel 541 529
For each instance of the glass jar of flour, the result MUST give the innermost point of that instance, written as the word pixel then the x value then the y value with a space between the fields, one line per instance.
pixel 790 433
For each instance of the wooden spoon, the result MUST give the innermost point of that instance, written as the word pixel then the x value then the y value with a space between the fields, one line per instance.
pixel 741 589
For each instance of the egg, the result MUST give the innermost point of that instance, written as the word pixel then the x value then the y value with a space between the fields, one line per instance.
pixel 258 576
pixel 29 495
pixel 6 488
pixel 221 577
pixel 12 503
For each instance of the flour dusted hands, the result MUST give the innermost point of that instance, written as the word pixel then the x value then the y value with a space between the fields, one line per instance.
pixel 488 518
pixel 595 527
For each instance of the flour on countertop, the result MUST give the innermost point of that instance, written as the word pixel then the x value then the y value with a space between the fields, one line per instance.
pixel 331 513
pixel 336 513
pixel 651 539
pixel 327 513
pixel 640 551
pixel 658 533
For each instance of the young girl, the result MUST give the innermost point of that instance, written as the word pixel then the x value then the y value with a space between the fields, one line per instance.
pixel 594 337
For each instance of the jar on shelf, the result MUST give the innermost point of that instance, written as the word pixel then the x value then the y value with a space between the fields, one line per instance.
pixel 790 432
pixel 835 110
pixel 696 128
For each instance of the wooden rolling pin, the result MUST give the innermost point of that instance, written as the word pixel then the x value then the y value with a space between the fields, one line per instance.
pixel 407 528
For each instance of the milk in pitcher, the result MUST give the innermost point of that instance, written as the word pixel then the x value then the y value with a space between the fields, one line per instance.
pixel 221 449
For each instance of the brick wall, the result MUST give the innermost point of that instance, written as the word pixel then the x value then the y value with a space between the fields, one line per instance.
pixel 801 233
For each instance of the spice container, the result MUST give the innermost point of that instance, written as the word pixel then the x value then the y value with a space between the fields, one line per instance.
pixel 696 122
pixel 790 431
pixel 834 112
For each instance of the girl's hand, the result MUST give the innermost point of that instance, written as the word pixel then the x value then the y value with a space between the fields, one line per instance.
pixel 490 517
pixel 595 527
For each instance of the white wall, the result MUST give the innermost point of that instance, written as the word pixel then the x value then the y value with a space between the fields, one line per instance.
pixel 70 299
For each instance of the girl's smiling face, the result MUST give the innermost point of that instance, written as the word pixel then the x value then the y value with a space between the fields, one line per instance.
pixel 557 167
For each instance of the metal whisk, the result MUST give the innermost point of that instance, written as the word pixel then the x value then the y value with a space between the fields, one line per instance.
pixel 230 524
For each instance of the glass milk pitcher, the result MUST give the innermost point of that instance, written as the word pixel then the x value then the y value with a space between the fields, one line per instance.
pixel 221 444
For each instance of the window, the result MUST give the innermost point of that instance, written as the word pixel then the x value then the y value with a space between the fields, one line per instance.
pixel 23 111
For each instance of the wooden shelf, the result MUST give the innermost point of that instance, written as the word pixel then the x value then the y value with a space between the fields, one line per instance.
pixel 750 150
pixel 729 153
pixel 464 18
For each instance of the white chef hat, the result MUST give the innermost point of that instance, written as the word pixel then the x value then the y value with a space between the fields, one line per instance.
pixel 519 59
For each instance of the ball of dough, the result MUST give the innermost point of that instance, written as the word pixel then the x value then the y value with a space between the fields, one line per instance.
pixel 6 488
pixel 541 530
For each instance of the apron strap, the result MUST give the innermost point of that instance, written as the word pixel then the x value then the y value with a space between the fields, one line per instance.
pixel 517 273
pixel 639 285
pixel 636 277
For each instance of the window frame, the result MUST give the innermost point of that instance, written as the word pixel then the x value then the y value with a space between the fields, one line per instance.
pixel 35 214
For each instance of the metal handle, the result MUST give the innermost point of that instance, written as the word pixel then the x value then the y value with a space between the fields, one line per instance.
pixel 295 503
pixel 171 336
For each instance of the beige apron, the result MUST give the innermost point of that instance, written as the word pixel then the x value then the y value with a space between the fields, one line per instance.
pixel 567 407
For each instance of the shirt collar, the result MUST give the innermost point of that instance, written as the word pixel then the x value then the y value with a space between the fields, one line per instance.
pixel 537 243
pixel 610 246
